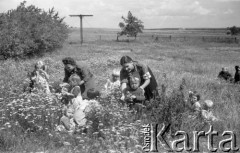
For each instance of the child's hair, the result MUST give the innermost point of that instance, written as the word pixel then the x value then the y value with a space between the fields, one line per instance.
pixel 40 65
pixel 74 78
pixel 93 93
pixel 208 104
pixel 194 94
pixel 133 79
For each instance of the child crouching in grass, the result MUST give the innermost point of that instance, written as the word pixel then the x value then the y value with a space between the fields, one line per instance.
pixel 134 94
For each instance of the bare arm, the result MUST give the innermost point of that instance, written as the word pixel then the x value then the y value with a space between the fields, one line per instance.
pixel 123 88
pixel 145 84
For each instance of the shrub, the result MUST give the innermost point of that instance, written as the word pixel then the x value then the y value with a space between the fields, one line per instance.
pixel 234 30
pixel 27 31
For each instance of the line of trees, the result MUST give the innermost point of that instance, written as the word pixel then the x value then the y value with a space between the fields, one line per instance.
pixel 27 31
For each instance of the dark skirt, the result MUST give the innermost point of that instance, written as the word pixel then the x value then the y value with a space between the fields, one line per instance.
pixel 152 89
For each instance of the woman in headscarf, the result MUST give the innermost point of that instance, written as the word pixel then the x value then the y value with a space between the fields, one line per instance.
pixel 87 79
pixel 148 81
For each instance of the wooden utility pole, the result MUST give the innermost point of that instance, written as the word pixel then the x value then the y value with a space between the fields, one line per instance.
pixel 81 27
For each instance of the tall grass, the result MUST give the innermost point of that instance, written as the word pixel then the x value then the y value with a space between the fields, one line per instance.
pixel 178 68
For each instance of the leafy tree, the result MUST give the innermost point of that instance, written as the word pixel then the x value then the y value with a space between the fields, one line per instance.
pixel 234 30
pixel 131 26
pixel 27 31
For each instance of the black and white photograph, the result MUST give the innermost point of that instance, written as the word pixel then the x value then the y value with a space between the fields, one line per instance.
pixel 119 76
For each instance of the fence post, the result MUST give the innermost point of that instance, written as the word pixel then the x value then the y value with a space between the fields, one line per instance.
pixel 170 37
pixel 203 38
pixel 100 37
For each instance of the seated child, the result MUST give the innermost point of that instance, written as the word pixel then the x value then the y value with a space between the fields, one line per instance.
pixel 92 104
pixel 73 100
pixel 207 111
pixel 67 123
pixel 39 78
pixel 113 82
pixel 134 94
pixel 194 101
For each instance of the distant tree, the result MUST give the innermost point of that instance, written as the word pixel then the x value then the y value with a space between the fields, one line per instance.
pixel 234 30
pixel 131 26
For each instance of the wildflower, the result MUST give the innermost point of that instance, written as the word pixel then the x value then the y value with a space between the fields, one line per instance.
pixel 66 143
pixel 50 135
pixel 2 129
pixel 6 124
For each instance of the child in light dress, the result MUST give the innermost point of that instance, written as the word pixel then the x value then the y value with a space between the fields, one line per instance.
pixel 75 108
pixel 39 79
pixel 113 82
pixel 73 104
pixel 206 112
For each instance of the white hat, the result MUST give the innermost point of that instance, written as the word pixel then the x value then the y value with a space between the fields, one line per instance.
pixel 208 103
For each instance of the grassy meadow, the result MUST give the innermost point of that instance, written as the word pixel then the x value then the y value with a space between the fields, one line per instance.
pixel 191 60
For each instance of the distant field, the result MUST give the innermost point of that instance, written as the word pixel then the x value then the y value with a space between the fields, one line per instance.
pixel 208 35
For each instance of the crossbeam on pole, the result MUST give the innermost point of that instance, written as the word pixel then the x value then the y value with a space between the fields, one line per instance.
pixel 81 25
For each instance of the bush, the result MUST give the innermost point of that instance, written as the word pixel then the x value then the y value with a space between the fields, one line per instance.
pixel 234 30
pixel 27 31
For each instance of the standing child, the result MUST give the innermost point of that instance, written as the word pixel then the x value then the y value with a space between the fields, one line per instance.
pixel 113 82
pixel 39 77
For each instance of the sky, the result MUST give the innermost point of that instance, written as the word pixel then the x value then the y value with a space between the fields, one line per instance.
pixel 153 13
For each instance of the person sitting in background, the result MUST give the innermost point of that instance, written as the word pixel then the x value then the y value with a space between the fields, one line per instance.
pixel 225 75
pixel 113 82
pixel 237 74
pixel 39 79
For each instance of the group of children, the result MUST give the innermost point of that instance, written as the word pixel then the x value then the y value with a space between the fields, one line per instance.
pixel 74 106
